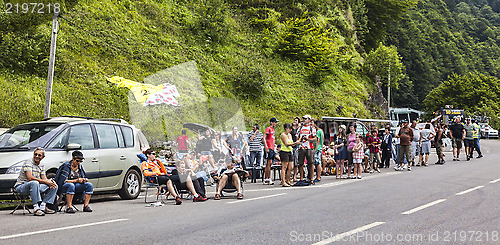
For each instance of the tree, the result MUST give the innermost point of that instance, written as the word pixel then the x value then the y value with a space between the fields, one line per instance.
pixel 471 92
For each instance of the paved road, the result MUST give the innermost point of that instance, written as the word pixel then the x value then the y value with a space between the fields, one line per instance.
pixel 456 203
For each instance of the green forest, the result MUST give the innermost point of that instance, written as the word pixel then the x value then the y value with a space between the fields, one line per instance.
pixel 274 58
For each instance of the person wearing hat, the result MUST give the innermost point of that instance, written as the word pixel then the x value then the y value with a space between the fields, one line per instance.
pixel 73 180
pixel 307 136
pixel 269 148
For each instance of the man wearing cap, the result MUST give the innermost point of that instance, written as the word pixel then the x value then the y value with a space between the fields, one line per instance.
pixel 32 180
pixel 307 136
pixel 255 142
pixel 269 150
pixel 73 180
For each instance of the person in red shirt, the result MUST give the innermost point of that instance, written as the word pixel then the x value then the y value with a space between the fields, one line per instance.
pixel 270 152
pixel 182 142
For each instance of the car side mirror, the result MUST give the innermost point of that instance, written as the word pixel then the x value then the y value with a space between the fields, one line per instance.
pixel 73 146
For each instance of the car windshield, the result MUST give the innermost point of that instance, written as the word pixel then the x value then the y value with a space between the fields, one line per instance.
pixel 28 135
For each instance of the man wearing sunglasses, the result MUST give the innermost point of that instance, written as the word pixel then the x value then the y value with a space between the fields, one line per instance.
pixel 73 180
pixel 32 180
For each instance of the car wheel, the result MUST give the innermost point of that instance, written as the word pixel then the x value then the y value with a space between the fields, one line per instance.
pixel 51 174
pixel 131 185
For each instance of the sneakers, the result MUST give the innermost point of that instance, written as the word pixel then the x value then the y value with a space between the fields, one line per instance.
pixel 49 211
pixel 87 209
pixel 317 180
pixel 239 196
pixel 39 212
pixel 178 200
pixel 371 171
pixel 409 168
pixel 378 170
pixel 268 182
pixel 217 197
pixel 455 159
pixel 199 199
pixel 479 156
pixel 69 210
pixel 359 177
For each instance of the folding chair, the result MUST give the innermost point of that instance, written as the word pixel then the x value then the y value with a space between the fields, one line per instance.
pixel 22 201
pixel 61 201
pixel 229 187
pixel 153 184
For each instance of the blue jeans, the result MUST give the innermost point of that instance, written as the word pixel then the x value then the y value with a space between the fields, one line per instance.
pixel 71 188
pixel 35 189
pixel 255 156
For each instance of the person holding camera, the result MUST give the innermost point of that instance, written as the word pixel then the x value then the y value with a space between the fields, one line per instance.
pixel 73 180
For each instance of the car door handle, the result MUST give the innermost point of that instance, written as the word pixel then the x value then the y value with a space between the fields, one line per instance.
pixel 123 157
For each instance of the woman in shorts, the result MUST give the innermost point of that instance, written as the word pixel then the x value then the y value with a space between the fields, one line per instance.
pixel 286 155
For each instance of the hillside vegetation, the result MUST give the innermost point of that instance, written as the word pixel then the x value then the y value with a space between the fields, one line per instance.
pixel 275 58
pixel 270 57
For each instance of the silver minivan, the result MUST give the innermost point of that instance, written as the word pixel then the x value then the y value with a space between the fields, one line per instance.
pixel 109 146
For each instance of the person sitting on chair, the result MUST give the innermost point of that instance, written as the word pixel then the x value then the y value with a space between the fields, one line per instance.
pixel 72 179
pixel 230 175
pixel 32 180
pixel 198 182
pixel 153 167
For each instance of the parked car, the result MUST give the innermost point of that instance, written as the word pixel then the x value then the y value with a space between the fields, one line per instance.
pixel 109 146
pixel 487 130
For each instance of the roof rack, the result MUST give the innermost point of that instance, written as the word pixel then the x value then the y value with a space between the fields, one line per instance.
pixel 113 120
pixel 49 118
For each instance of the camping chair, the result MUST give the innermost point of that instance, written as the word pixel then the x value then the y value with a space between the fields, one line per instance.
pixel 61 201
pixel 21 199
pixel 152 182
pixel 229 187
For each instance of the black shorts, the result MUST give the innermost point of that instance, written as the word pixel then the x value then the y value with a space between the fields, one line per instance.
pixel 269 155
pixel 469 143
pixel 286 156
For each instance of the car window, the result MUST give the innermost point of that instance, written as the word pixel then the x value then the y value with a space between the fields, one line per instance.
pixel 27 134
pixel 106 136
pixel 144 145
pixel 121 143
pixel 129 136
pixel 82 135
pixel 59 141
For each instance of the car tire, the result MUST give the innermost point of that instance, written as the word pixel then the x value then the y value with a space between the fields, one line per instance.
pixel 131 186
pixel 51 174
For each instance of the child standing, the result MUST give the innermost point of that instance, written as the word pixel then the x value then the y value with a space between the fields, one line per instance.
pixel 358 153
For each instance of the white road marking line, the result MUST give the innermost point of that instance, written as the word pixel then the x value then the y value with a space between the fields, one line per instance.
pixel 423 206
pixel 257 198
pixel 339 237
pixel 469 190
pixel 494 181
pixel 60 229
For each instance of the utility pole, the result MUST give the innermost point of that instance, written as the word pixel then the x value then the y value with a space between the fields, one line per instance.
pixel 389 89
pixel 52 59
